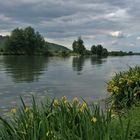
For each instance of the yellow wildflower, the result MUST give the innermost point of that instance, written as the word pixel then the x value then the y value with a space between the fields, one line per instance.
pixel 135 94
pixel 66 101
pixel 93 119
pixel 113 115
pixel 109 88
pixel 112 82
pixel 83 107
pixel 129 82
pixel 116 89
pixel 109 110
pixel 64 98
pixel 14 110
pixel 75 100
pixel 121 80
pixel 47 133
pixel 55 103
pixel 26 109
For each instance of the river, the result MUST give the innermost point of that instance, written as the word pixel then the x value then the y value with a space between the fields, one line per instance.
pixel 82 77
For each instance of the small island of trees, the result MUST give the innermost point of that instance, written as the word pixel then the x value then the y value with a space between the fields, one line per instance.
pixel 79 48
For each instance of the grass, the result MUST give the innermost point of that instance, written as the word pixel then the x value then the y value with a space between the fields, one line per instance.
pixel 62 120
pixel 134 115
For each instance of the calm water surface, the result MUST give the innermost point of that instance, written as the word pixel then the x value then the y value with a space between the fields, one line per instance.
pixel 83 77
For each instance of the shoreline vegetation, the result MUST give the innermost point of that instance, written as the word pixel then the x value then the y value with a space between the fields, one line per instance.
pixel 29 42
pixel 76 120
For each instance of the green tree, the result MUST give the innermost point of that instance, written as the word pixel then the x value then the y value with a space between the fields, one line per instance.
pixel 75 47
pixel 15 42
pixel 94 50
pixel 99 50
pixel 104 52
pixel 25 41
pixel 78 46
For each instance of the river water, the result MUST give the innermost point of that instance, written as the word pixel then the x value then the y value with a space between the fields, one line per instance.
pixel 82 77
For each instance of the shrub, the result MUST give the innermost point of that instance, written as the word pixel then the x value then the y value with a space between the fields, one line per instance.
pixel 124 88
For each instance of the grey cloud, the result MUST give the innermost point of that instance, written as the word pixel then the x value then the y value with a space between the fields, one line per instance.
pixel 61 19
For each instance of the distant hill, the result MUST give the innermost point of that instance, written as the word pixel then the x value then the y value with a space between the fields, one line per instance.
pixel 56 47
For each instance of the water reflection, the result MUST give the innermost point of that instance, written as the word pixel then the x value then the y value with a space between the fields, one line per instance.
pixel 24 68
pixel 79 62
pixel 98 60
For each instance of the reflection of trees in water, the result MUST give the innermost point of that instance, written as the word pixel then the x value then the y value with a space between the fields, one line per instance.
pixel 97 60
pixel 24 68
pixel 78 63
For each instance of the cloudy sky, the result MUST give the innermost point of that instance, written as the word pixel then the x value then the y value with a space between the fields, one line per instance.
pixel 113 23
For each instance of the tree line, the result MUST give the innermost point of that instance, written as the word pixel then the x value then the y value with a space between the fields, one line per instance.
pixel 30 42
pixel 79 48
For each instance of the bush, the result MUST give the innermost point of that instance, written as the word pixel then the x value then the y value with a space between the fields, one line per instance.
pixel 124 88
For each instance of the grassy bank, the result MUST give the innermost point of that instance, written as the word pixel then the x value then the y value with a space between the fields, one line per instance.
pixel 63 120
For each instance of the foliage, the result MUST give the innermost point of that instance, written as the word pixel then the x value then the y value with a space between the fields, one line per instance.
pixel 2 42
pixel 134 116
pixel 122 53
pixel 24 41
pixel 64 53
pixel 99 50
pixel 62 120
pixel 78 46
pixel 124 88
pixel 55 47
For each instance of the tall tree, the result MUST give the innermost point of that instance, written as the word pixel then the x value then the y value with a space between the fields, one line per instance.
pixel 78 46
pixel 94 50
pixel 99 50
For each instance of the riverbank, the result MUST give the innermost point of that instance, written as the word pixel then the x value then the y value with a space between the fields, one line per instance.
pixel 62 119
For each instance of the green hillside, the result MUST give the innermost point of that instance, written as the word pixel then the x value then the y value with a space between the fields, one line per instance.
pixel 56 47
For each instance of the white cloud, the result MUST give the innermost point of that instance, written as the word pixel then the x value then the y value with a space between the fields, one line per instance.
pixel 120 14
pixel 4 33
pixel 4 18
pixel 138 38
pixel 118 34
pixel 132 45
